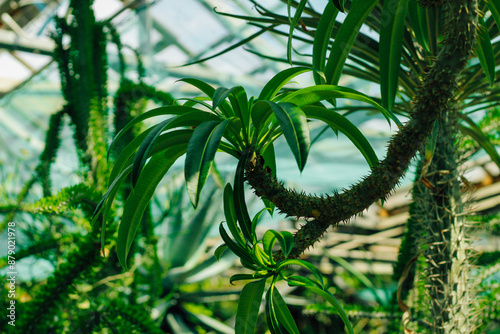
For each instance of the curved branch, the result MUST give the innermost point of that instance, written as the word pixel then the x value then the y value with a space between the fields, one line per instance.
pixel 431 102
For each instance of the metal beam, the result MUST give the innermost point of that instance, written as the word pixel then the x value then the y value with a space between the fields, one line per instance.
pixel 40 45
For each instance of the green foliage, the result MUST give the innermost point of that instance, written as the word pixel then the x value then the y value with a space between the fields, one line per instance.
pixel 434 43
pixel 57 287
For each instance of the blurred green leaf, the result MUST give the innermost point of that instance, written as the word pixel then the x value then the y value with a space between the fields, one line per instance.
pixel 322 37
pixel 339 4
pixel 234 46
pixel 239 198
pixel 417 17
pixel 344 40
pixel 314 94
pixel 200 154
pixel 484 52
pixel 293 23
pixel 243 277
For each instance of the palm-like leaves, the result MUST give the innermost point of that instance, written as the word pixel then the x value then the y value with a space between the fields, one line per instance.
pixel 233 124
pixel 407 42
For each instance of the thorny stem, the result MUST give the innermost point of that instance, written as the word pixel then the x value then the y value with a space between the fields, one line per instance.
pixel 431 102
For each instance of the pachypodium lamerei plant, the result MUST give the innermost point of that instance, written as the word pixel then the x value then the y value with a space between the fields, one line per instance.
pixel 246 129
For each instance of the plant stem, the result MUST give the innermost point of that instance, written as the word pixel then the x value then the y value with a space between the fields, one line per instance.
pixel 431 103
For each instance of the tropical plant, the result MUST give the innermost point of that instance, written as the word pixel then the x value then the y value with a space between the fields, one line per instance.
pixel 85 292
pixel 437 53
pixel 397 58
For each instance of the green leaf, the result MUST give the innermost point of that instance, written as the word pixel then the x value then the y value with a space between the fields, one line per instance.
pixel 272 319
pixel 243 253
pixel 145 148
pixel 239 199
pixel 191 119
pixel 270 161
pixel 301 281
pixel 215 326
pixel 219 251
pixel 256 218
pixel 209 91
pixel 484 52
pixel 475 132
pixel 234 46
pixel 284 238
pixel 230 214
pixel 494 7
pixel 314 94
pixel 339 4
pixel 334 302
pixel 322 37
pixel 391 45
pixel 315 271
pixel 188 245
pixel 288 243
pixel 344 40
pixel 356 273
pixel 283 314
pixel 191 102
pixel 201 85
pixel 140 197
pixel 268 241
pixel 161 111
pixel 430 148
pixel 239 102
pixel 274 85
pixel 115 184
pixel 261 113
pixel 243 277
pixel 293 23
pixel 294 125
pixel 261 257
pixel 219 101
pixel 200 154
pixel 106 201
pixel 339 123
pixel 248 307
pixel 416 15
